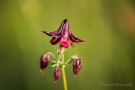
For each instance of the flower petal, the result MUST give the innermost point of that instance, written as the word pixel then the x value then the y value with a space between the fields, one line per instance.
pixel 72 37
pixel 54 40
pixel 65 39
pixel 57 33
pixel 75 39
pixel 47 33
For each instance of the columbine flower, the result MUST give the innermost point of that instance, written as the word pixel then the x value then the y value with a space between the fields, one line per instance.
pixel 65 37
pixel 57 73
pixel 77 65
pixel 44 61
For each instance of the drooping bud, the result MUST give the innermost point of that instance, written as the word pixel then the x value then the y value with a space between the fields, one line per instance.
pixel 77 65
pixel 44 61
pixel 57 73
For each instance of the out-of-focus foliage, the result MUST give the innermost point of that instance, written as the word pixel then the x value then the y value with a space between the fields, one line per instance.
pixel 108 55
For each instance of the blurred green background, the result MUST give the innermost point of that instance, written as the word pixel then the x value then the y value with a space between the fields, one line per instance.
pixel 108 55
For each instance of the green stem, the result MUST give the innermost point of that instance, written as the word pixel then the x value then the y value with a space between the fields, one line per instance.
pixel 63 73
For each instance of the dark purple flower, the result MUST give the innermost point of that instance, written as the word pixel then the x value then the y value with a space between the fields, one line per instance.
pixel 44 61
pixel 65 37
pixel 57 73
pixel 77 65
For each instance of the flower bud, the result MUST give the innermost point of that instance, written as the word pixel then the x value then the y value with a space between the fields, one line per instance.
pixel 57 73
pixel 77 64
pixel 44 61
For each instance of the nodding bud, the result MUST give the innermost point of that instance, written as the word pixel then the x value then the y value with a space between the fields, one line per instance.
pixel 44 61
pixel 77 65
pixel 57 73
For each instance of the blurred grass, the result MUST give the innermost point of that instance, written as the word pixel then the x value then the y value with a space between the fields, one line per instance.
pixel 108 55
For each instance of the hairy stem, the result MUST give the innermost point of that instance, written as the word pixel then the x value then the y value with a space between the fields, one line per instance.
pixel 63 73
